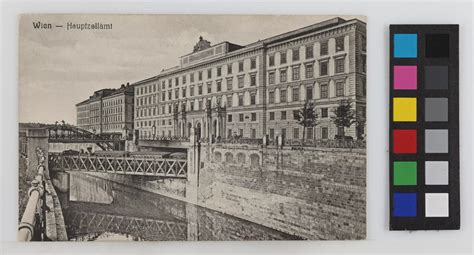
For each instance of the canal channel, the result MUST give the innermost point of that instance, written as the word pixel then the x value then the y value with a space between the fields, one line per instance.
pixel 96 209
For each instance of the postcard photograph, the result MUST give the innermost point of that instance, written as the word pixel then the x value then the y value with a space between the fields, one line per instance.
pixel 192 127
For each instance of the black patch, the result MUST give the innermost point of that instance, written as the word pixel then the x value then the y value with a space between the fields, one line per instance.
pixel 437 45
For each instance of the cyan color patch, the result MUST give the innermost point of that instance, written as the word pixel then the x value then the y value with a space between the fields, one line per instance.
pixel 405 45
pixel 404 204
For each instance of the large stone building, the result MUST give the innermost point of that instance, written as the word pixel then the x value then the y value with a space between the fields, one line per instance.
pixel 254 90
pixel 107 111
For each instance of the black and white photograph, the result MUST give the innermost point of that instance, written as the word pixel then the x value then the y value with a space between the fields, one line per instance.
pixel 182 127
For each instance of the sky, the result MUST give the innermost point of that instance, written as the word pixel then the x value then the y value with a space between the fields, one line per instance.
pixel 59 68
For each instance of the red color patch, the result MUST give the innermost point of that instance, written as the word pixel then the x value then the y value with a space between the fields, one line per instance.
pixel 404 141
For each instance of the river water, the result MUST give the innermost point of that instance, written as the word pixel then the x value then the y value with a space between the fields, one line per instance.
pixel 100 210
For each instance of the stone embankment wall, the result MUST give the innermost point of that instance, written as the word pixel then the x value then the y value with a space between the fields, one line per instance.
pixel 312 193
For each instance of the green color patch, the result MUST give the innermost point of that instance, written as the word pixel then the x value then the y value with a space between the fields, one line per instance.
pixel 404 173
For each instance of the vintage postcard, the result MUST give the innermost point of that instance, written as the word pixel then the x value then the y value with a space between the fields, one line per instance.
pixel 192 127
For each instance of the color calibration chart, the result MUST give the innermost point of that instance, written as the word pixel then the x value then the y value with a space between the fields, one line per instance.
pixel 424 127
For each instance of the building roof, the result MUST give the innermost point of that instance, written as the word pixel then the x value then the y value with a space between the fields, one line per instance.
pixel 106 93
pixel 237 49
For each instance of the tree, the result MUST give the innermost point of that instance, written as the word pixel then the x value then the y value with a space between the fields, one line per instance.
pixel 344 116
pixel 307 116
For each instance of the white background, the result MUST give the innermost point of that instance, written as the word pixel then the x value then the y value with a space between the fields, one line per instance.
pixel 379 16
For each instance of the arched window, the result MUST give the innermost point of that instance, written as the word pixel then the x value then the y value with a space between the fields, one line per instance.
pixel 217 156
pixel 229 158
pixel 241 158
pixel 254 160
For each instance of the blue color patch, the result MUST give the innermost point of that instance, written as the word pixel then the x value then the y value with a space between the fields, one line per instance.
pixel 405 45
pixel 404 204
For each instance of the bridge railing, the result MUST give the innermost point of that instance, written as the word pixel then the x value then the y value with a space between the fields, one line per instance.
pixel 239 140
pixel 120 165
pixel 28 224
pixel 165 138
pixel 322 143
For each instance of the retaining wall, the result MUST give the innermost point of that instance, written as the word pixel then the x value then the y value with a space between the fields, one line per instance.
pixel 312 193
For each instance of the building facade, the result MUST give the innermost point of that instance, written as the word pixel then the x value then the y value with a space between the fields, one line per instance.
pixel 108 111
pixel 228 90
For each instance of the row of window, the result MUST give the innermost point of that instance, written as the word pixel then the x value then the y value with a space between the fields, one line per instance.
pixel 88 107
pixel 153 88
pixel 253 117
pixel 309 52
pixel 116 118
pixel 323 92
pixel 141 112
pixel 112 127
pixel 113 110
pixel 117 101
pixel 93 120
pixel 309 71
pixel 295 56
pixel 197 90
pixel 156 123
pixel 112 119
pixel 323 113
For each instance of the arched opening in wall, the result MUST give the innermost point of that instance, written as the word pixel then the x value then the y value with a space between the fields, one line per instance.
pixel 254 160
pixel 229 158
pixel 241 158
pixel 217 156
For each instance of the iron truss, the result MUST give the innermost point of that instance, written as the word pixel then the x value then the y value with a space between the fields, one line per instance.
pixel 119 165
pixel 148 229
pixel 65 133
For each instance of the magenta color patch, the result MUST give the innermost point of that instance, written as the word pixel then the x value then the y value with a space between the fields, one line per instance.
pixel 405 77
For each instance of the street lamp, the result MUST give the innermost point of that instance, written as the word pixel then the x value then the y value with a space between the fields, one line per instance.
pixel 153 128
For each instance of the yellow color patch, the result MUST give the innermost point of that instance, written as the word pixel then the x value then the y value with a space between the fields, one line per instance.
pixel 404 109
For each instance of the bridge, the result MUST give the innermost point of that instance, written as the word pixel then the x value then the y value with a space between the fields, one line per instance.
pixel 176 168
pixel 43 218
pixel 82 223
pixel 65 133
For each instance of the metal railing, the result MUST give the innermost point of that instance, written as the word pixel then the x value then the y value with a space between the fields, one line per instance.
pixel 120 165
pixel 165 138
pixel 323 143
pixel 26 229
pixel 240 140
pixel 316 143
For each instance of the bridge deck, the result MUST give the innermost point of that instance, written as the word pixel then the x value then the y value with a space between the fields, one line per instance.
pixel 119 165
